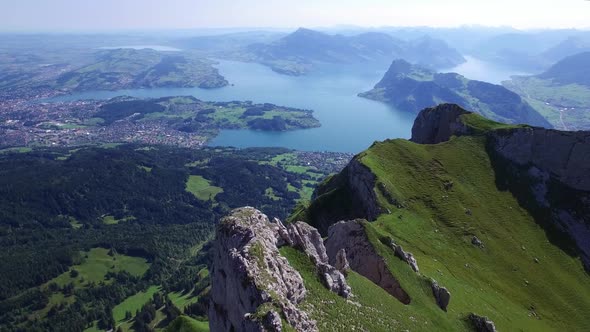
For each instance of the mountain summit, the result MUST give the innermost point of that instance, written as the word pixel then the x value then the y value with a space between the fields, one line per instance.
pixel 299 51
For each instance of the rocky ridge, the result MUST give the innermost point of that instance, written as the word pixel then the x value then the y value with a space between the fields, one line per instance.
pixel 523 166
pixel 254 288
pixel 253 285
pixel 552 165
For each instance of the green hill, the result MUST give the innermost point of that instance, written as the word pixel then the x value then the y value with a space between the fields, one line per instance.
pixel 574 69
pixel 488 218
pixel 133 69
pixel 413 88
pixel 298 52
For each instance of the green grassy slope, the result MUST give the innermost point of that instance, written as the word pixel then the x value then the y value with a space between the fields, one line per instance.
pixel 133 303
pixel 202 188
pixel 187 324
pixel 97 263
pixel 371 308
pixel 501 280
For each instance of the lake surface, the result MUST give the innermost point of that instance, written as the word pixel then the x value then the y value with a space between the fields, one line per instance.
pixel 481 70
pixel 159 48
pixel 349 123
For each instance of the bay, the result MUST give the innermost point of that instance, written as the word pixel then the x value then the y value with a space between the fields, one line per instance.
pixel 349 123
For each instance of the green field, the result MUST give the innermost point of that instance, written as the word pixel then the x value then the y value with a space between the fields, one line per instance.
pixel 93 328
pixel 566 107
pixel 181 300
pixel 133 303
pixel 202 188
pixel 110 220
pixel 187 324
pixel 96 265
pixel 16 150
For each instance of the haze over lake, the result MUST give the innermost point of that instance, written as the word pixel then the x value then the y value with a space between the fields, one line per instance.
pixel 160 48
pixel 480 70
pixel 349 123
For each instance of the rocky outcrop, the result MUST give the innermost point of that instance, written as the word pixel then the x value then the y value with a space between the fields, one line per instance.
pixel 307 239
pixel 481 324
pixel 341 263
pixel 362 186
pixel 253 287
pixel 362 257
pixel 407 257
pixel 565 155
pixel 555 165
pixel 438 124
pixel 252 284
pixel 441 294
pixel 346 196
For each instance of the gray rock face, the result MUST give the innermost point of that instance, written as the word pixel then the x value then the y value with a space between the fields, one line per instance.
pixel 362 185
pixel 341 263
pixel 248 271
pixel 306 238
pixel 362 257
pixel 442 295
pixel 565 155
pixel 438 124
pixel 482 324
pixel 345 196
pixel 557 163
pixel 302 236
pixel 407 257
pixel 476 242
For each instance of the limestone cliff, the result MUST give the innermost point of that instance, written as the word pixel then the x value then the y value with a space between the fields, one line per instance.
pixel 438 124
pixel 362 257
pixel 345 196
pixel 253 287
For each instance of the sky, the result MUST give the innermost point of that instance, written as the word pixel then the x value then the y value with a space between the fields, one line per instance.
pixel 72 15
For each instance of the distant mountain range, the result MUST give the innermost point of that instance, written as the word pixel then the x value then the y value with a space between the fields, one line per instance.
pixel 304 48
pixel 413 88
pixel 533 51
pixel 131 69
pixel 573 69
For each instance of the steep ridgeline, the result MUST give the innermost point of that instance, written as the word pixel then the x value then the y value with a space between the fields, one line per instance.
pixel 298 52
pixel 413 88
pixel 498 215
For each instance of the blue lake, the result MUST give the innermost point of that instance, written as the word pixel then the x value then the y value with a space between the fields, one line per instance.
pixel 480 70
pixel 349 123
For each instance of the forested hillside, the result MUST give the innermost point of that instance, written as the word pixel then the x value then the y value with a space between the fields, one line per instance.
pixel 114 236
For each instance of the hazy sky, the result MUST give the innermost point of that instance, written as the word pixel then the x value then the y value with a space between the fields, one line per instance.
pixel 171 14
